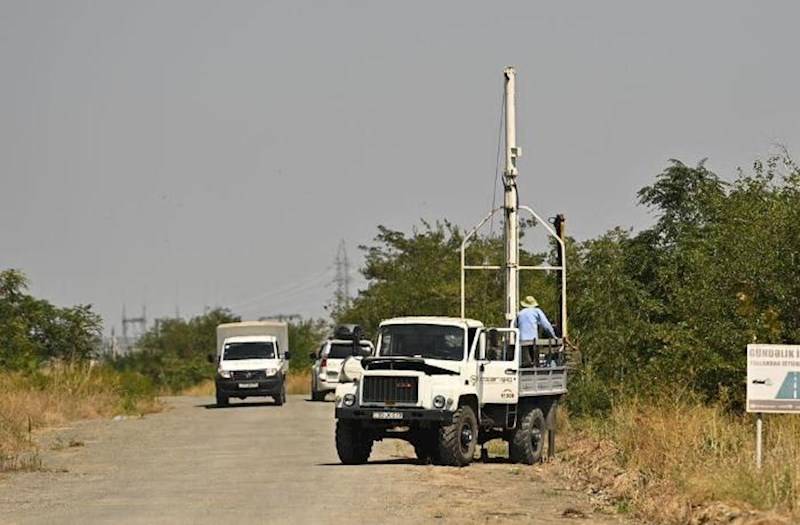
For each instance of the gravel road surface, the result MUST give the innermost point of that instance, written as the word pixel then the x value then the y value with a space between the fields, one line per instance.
pixel 257 463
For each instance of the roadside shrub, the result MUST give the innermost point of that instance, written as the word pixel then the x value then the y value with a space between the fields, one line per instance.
pixel 672 460
pixel 66 392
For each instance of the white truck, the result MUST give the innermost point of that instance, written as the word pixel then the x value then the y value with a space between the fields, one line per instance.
pixel 449 384
pixel 252 360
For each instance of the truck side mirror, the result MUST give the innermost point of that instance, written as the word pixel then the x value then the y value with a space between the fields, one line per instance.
pixel 287 355
pixel 210 358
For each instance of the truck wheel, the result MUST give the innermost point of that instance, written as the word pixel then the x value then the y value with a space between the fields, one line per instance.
pixel 353 444
pixel 527 442
pixel 457 441
pixel 222 401
pixel 280 399
pixel 317 396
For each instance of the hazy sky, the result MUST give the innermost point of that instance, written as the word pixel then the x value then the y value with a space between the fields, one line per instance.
pixel 197 153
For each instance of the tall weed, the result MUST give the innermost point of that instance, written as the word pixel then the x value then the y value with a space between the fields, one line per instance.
pixel 668 458
pixel 63 393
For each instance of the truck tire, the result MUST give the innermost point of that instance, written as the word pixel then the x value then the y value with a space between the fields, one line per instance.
pixel 527 442
pixel 222 401
pixel 353 444
pixel 457 441
pixel 280 399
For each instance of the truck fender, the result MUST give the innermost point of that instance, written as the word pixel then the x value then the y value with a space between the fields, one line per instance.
pixel 470 400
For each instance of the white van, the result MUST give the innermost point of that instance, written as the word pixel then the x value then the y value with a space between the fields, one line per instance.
pixel 252 360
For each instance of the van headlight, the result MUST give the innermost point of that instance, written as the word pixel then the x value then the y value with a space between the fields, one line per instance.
pixel 439 401
pixel 271 371
pixel 225 374
pixel 349 400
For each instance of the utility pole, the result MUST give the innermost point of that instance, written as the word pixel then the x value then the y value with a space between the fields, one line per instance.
pixel 511 199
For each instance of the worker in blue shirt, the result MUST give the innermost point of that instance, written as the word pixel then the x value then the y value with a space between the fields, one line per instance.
pixel 529 319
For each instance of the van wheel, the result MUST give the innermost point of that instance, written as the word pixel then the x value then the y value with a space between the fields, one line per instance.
pixel 280 399
pixel 527 442
pixel 222 401
pixel 353 443
pixel 317 396
pixel 457 441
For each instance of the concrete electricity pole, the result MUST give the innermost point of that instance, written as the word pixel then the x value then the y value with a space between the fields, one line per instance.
pixel 511 200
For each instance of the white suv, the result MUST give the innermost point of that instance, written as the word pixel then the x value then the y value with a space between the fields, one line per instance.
pixel 328 363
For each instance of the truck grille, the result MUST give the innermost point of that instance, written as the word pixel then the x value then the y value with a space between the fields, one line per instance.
pixel 248 374
pixel 390 390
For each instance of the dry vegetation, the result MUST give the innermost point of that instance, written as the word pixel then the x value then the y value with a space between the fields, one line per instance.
pixel 58 395
pixel 683 462
pixel 296 383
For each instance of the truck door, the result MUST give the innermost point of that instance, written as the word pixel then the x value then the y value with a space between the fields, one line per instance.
pixel 498 371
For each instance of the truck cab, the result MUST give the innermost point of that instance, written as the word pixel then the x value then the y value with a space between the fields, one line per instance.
pixel 446 385
pixel 252 364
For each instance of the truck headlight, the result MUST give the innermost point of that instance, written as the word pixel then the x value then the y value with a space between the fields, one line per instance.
pixel 271 371
pixel 225 374
pixel 349 400
pixel 439 401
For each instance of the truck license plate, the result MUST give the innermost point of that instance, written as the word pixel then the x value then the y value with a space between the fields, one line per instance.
pixel 387 415
pixel 248 385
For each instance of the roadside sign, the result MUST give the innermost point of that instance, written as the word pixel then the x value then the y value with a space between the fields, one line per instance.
pixel 773 378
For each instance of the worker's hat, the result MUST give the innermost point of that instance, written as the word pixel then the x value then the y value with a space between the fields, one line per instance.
pixel 529 302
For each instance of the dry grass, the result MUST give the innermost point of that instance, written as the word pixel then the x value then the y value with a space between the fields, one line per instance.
pixel 296 383
pixel 204 389
pixel 686 462
pixel 59 395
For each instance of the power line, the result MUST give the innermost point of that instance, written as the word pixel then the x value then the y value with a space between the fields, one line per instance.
pixel 497 159
pixel 285 289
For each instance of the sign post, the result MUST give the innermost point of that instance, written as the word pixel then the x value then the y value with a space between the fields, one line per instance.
pixel 758 442
pixel 773 383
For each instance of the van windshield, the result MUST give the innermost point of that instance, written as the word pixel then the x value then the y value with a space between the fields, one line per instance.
pixel 423 340
pixel 256 350
pixel 345 350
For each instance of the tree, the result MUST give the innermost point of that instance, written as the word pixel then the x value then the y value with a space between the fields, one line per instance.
pixel 672 306
pixel 174 353
pixel 33 331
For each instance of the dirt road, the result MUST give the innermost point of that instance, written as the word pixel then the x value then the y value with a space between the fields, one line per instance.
pixel 257 463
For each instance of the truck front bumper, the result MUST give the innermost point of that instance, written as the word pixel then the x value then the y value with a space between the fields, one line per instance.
pixel 270 386
pixel 409 415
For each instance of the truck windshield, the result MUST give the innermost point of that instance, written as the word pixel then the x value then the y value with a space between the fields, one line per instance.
pixel 345 350
pixel 423 340
pixel 236 351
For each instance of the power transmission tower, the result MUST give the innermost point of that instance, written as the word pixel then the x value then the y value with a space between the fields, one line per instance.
pixel 341 297
pixel 138 322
